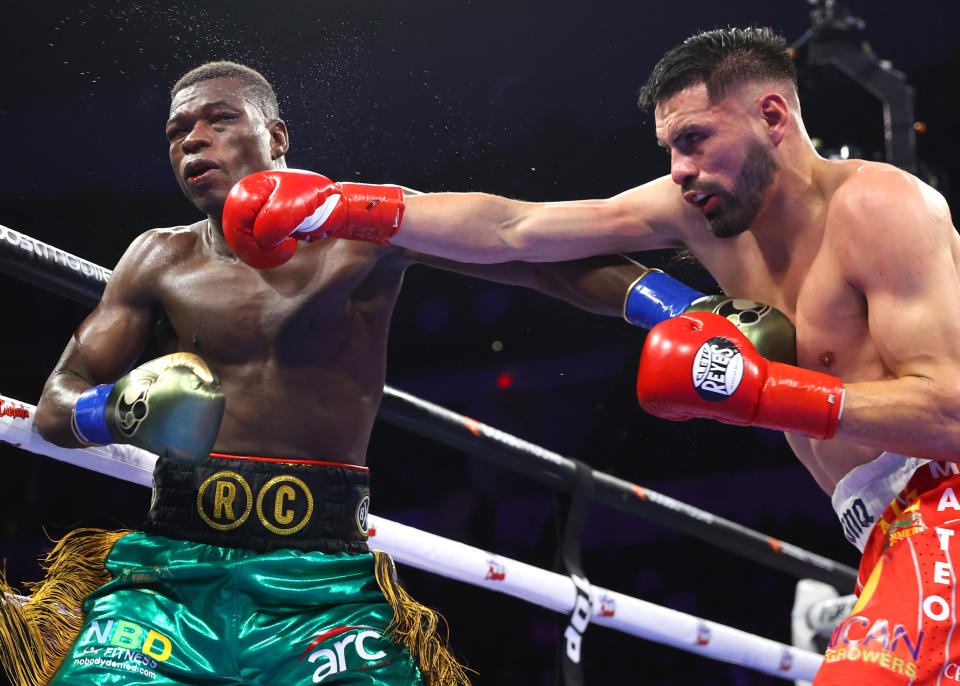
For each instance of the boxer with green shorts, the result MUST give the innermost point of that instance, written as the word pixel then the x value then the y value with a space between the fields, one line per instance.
pixel 252 567
pixel 300 602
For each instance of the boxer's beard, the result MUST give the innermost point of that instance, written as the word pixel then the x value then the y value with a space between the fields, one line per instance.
pixel 738 208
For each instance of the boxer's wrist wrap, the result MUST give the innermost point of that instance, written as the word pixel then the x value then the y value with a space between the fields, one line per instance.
pixel 261 505
pixel 374 212
pixel 655 297
pixel 89 416
pixel 801 401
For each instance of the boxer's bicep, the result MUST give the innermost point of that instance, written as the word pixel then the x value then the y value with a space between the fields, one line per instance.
pixel 901 255
pixel 108 342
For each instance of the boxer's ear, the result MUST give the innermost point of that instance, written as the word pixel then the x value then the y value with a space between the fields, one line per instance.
pixel 775 114
pixel 279 138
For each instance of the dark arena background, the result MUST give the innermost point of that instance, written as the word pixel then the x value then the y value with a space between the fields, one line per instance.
pixel 531 100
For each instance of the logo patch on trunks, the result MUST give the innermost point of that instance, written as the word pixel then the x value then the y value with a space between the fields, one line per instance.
pixel 123 647
pixel 347 649
pixel 877 641
pixel 224 500
pixel 289 505
pixel 363 509
pixel 908 524
pixel 717 369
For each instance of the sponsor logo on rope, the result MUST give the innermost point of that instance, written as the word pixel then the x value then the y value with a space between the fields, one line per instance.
pixel 678 506
pixel 717 369
pixel 579 618
pixel 351 648
pixel 496 571
pixel 52 254
pixel 608 605
pixel 11 410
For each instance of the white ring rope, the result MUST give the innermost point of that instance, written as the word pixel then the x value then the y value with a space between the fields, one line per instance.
pixel 474 566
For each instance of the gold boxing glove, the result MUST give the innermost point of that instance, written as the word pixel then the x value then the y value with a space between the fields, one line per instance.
pixel 170 406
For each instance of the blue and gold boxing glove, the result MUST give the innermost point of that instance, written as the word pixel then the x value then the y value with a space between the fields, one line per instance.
pixel 655 297
pixel 170 406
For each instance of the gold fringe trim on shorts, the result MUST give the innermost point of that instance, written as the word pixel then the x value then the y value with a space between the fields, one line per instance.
pixel 417 627
pixel 37 632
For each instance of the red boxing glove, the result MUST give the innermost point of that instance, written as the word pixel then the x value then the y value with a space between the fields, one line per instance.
pixel 701 365
pixel 267 212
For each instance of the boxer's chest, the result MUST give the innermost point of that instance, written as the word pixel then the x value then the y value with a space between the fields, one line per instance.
pixel 830 315
pixel 833 333
pixel 232 313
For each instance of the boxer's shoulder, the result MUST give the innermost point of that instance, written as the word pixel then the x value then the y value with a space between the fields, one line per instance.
pixel 167 242
pixel 154 254
pixel 864 188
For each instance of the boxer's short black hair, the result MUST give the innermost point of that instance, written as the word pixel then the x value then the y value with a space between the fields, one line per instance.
pixel 260 89
pixel 723 59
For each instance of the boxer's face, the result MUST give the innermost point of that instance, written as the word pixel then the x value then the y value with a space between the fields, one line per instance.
pixel 716 157
pixel 218 134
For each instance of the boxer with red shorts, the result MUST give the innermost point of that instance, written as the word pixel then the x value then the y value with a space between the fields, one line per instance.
pixel 903 628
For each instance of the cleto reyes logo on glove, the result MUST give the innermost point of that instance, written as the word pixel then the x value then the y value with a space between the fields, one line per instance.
pixel 717 369
pixel 133 406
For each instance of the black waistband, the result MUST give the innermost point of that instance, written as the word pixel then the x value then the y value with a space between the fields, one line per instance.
pixel 261 504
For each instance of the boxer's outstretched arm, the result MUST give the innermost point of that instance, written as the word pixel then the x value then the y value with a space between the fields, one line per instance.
pixel 106 344
pixel 267 213
pixel 475 227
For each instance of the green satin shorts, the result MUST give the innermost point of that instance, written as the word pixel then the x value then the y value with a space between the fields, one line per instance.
pixel 178 612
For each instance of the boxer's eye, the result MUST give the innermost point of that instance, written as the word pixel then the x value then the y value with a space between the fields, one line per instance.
pixel 222 116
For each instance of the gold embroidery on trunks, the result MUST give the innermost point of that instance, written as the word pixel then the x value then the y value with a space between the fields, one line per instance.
pixel 224 500
pixel 283 498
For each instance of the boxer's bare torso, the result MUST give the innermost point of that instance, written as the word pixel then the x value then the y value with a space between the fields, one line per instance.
pixel 300 350
pixel 862 257
pixel 811 269
pixel 810 281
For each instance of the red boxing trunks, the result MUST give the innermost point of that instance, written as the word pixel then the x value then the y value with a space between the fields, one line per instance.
pixel 903 629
